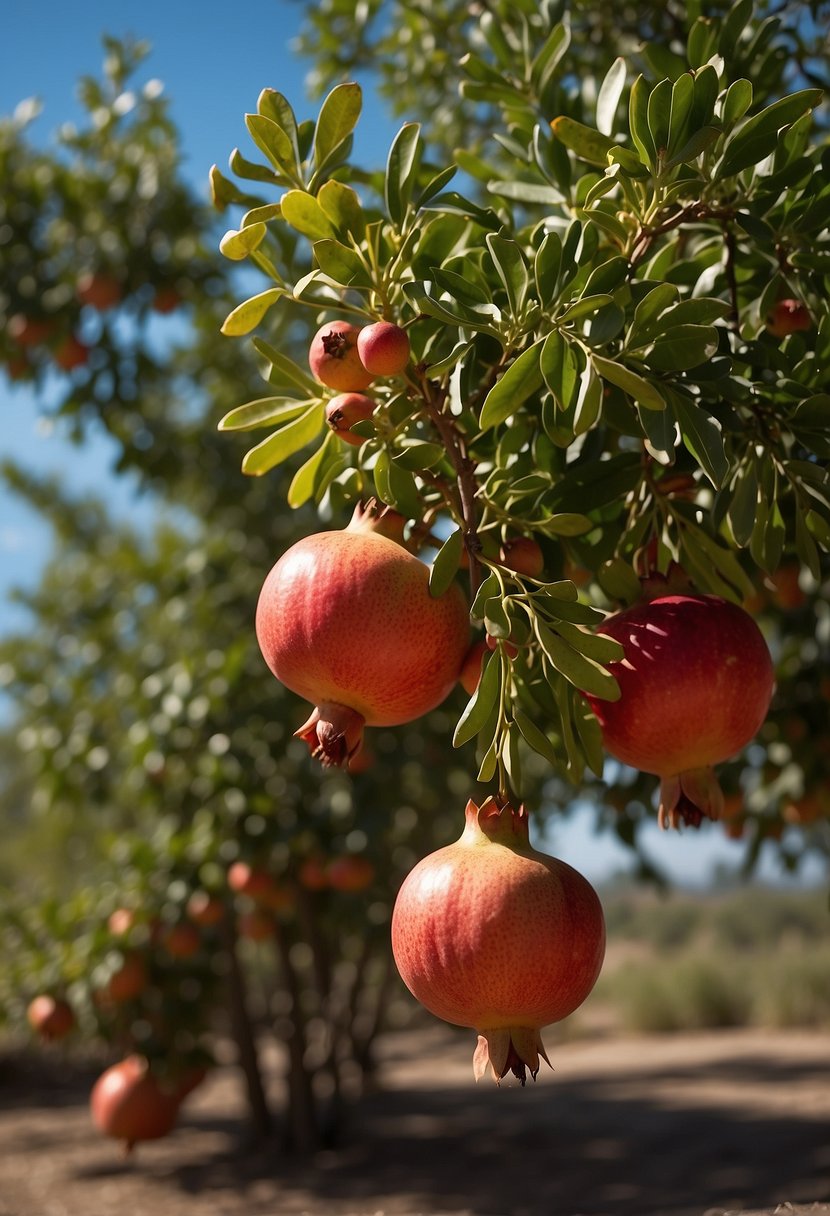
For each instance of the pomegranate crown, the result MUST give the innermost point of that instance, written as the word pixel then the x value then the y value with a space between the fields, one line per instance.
pixel 498 821
pixel 375 516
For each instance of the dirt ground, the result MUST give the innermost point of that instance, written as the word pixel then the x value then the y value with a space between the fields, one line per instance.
pixel 698 1125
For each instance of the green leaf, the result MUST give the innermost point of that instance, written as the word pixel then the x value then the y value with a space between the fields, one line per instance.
pixel 587 143
pixel 480 704
pixel 536 739
pixel 585 674
pixel 526 192
pixel 285 442
pixel 619 582
pixel 237 245
pixel 337 119
pixel 435 185
pixel 646 324
pixel 446 563
pixel 247 315
pixel 659 115
pixel 273 105
pixel 511 269
pixel 564 523
pixel 520 381
pixel 733 26
pixel 596 646
pixel 341 263
pixel 285 370
pixel 546 266
pixel 643 391
pixel 274 142
pixel 590 736
pixel 261 215
pixel 253 172
pixel 320 469
pixel 450 201
pixel 757 137
pixel 683 347
pixel 549 57
pixel 682 99
pixel 638 122
pixel 341 206
pixel 304 213
pixel 744 503
pixel 586 306
pixel 610 92
pixel 489 587
pixel 401 170
pixel 693 147
pixel 736 103
pixel 417 454
pixel 265 412
pixel 703 437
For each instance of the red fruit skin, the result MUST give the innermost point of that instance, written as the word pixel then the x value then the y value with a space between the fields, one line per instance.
pixel 489 936
pixel 71 353
pixel 523 555
pixel 788 317
pixel 695 684
pixel 182 941
pixel 470 673
pixel 50 1017
pixel 29 331
pixel 346 617
pixel 383 348
pixel 129 981
pixel 343 411
pixel 128 1103
pixel 100 291
pixel 334 360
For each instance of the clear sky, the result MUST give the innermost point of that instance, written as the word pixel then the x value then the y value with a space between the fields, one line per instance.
pixel 214 58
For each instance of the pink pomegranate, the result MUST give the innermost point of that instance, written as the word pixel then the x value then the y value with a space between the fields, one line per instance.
pixel 695 685
pixel 383 348
pixel 344 410
pixel 51 1017
pixel 334 360
pixel 129 1104
pixel 346 620
pixel 490 933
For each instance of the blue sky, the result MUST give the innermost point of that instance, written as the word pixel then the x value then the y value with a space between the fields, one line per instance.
pixel 213 59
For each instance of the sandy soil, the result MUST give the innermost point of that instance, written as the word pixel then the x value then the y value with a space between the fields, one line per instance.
pixel 698 1125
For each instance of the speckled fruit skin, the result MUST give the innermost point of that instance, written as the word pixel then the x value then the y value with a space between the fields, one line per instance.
pixel 334 360
pixel 523 555
pixel 490 933
pixel 695 684
pixel 128 1103
pixel 383 348
pixel 347 617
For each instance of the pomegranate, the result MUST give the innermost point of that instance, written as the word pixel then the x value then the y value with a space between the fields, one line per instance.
pixel 29 331
pixel 343 411
pixel 50 1017
pixel 182 940
pixel 129 981
pixel 312 874
pixel 695 685
pixel 345 619
pixel 259 886
pixel 470 673
pixel 490 933
pixel 129 1104
pixel 350 873
pixel 334 360
pixel 121 922
pixel 788 317
pixel 70 353
pixel 523 555
pixel 166 300
pixel 383 348
pixel 99 289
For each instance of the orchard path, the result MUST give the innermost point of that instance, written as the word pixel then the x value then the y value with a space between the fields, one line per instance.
pixel 681 1125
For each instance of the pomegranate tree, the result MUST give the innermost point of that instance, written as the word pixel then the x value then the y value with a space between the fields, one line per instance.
pixel 346 620
pixel 491 934
pixel 695 685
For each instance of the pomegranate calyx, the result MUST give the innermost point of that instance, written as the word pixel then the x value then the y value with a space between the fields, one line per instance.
pixel 375 516
pixel 513 1049
pixel 689 798
pixel 334 733
pixel 498 822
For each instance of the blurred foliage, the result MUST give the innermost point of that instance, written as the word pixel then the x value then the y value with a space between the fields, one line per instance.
pixel 741 958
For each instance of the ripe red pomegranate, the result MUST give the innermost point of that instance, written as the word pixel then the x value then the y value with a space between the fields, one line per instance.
pixel 383 348
pixel 491 934
pixel 50 1017
pixel 259 886
pixel 523 555
pixel 695 686
pixel 182 940
pixel 788 317
pixel 334 360
pixel 470 673
pixel 345 619
pixel 70 353
pixel 129 1104
pixel 129 981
